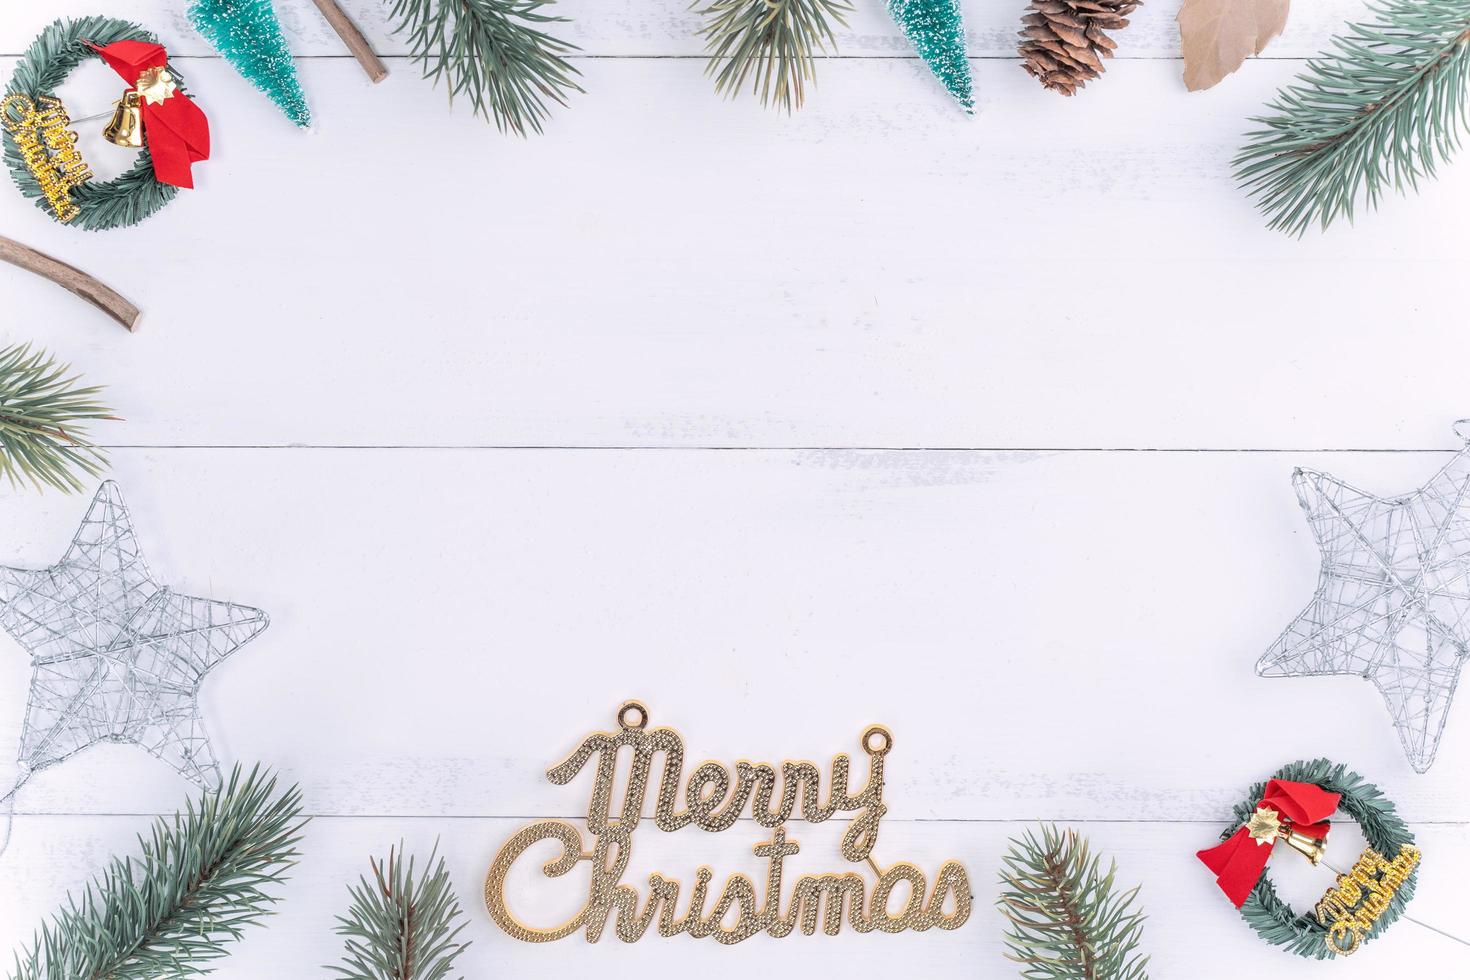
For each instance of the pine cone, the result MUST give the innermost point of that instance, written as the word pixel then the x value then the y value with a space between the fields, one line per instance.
pixel 1064 41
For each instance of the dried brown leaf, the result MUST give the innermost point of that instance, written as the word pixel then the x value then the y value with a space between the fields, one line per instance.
pixel 1216 36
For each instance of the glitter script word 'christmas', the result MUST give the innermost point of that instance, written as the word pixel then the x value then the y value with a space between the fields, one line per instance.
pixel 715 796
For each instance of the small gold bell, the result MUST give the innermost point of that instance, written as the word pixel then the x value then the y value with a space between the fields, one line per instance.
pixel 1304 844
pixel 126 127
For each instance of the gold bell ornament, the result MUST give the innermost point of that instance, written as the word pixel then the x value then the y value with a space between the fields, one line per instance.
pixel 1266 825
pixel 1306 845
pixel 126 126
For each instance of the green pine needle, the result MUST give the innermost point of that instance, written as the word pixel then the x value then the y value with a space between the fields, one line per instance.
pixel 41 440
pixel 247 33
pixel 201 879
pixel 401 927
pixel 493 52
pixel 1379 110
pixel 770 43
pixel 1066 920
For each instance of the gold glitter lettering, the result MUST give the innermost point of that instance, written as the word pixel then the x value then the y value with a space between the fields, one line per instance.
pixel 714 798
pixel 1354 905
pixel 47 148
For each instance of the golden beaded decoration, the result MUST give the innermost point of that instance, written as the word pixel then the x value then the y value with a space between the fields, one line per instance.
pixel 48 148
pixel 1352 906
pixel 1360 896
pixel 715 796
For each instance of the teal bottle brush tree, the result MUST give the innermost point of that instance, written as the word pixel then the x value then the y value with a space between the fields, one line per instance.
pixel 937 32
pixel 247 33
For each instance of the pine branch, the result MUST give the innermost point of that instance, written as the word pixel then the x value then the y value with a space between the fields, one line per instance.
pixel 493 52
pixel 41 440
pixel 1380 109
pixel 770 43
pixel 171 912
pixel 1066 920
pixel 401 927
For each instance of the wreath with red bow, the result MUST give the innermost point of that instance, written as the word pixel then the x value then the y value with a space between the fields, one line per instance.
pixel 176 134
pixel 1303 794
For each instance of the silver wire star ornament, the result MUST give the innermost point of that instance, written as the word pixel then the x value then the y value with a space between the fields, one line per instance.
pixel 116 657
pixel 1393 599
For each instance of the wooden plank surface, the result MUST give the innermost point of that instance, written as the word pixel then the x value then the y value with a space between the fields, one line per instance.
pixel 57 853
pixel 633 28
pixel 726 344
pixel 1057 273
pixel 1066 635
pixel 1030 600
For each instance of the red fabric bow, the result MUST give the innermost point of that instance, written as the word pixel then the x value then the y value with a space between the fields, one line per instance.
pixel 176 128
pixel 1239 862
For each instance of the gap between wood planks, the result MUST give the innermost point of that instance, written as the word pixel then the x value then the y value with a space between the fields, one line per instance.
pixel 669 448
pixel 702 57
pixel 576 818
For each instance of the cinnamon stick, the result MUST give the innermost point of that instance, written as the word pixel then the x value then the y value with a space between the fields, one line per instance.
pixel 352 37
pixel 71 278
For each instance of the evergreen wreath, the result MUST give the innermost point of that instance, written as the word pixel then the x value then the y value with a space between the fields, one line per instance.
pixel 1386 832
pixel 117 203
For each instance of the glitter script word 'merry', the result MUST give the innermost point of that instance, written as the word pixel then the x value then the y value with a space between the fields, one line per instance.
pixel 714 798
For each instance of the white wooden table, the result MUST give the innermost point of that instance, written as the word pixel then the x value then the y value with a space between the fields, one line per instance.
pixel 982 428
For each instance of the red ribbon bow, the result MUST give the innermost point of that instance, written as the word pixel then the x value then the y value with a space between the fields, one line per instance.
pixel 176 128
pixel 1240 861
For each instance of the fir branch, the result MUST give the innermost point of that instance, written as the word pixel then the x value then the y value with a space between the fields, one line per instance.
pixel 40 408
pixel 1380 109
pixel 401 927
pixel 771 43
pixel 493 52
pixel 171 912
pixel 1066 920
